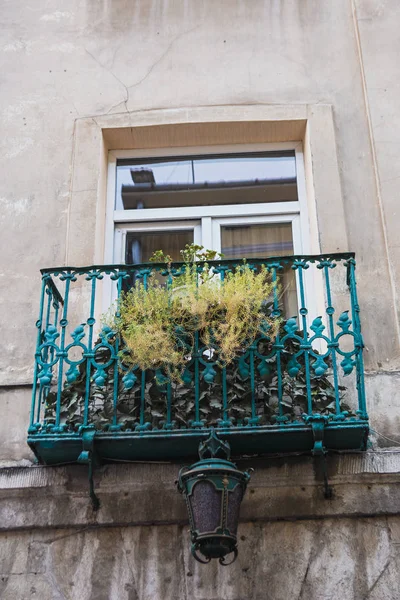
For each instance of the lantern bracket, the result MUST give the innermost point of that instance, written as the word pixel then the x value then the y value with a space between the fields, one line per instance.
pixel 213 447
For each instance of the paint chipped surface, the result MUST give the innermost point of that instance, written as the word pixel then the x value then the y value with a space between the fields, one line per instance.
pixel 17 146
pixel 16 207
pixel 18 46
pixel 56 16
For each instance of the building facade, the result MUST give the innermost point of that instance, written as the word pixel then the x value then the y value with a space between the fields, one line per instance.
pixel 95 86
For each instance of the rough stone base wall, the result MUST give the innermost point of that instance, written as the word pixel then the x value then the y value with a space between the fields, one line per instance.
pixel 331 559
pixel 294 544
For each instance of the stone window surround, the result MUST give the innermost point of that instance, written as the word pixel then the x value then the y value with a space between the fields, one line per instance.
pixel 94 137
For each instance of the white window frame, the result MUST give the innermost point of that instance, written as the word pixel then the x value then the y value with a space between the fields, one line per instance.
pixel 119 222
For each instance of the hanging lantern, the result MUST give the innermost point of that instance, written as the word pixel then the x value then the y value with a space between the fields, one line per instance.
pixel 213 489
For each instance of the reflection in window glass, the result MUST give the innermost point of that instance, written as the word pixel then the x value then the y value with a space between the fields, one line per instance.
pixel 199 181
pixel 141 245
pixel 263 241
pixel 244 169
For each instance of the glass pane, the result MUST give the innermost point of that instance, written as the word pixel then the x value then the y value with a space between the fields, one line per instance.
pixel 205 181
pixel 141 245
pixel 263 241
pixel 243 169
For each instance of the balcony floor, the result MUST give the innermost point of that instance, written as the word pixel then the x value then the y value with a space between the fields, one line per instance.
pixel 160 445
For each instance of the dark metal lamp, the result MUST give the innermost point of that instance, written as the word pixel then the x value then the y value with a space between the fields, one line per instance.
pixel 213 489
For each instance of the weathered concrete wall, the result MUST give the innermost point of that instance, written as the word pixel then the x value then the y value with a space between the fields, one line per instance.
pixel 364 484
pixel 293 543
pixel 305 560
pixel 66 65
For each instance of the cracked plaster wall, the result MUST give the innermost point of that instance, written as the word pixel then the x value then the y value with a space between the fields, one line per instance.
pixel 61 62
pixel 303 560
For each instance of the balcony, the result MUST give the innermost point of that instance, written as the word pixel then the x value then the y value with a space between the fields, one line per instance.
pixel 303 391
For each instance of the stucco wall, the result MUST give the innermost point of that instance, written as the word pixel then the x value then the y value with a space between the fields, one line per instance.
pixel 293 542
pixel 67 69
pixel 62 65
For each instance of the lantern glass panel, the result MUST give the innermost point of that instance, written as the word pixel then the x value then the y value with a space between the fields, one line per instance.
pixel 206 507
pixel 234 499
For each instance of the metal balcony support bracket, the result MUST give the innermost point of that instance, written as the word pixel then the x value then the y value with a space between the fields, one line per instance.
pixel 328 489
pixel 89 457
pixel 318 423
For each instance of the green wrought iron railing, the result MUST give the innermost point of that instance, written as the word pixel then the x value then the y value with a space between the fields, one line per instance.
pixel 301 392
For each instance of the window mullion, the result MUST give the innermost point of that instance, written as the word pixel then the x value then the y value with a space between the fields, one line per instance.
pixel 206 233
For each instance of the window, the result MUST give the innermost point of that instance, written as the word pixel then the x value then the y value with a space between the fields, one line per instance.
pixel 249 203
pixel 206 180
